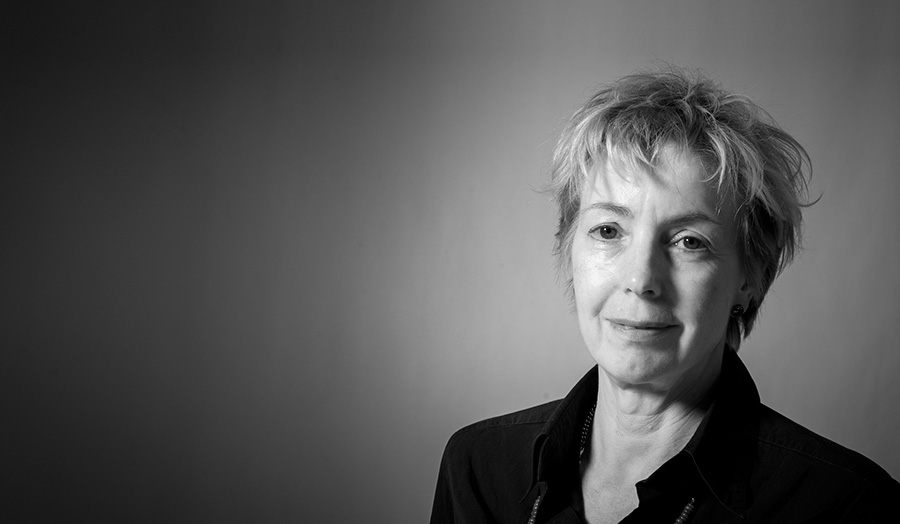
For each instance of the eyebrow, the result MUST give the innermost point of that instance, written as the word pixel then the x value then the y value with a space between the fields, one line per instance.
pixel 685 218
pixel 613 208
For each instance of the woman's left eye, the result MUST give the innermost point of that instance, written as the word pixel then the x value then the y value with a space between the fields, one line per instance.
pixel 691 243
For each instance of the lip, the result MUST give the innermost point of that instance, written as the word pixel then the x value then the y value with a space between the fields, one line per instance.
pixel 643 332
pixel 650 325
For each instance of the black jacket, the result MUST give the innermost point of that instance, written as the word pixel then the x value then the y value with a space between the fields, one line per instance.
pixel 745 463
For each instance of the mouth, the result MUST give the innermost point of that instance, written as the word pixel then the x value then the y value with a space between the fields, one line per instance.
pixel 625 323
pixel 643 331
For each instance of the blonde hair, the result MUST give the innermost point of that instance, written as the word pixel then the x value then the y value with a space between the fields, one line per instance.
pixel 750 158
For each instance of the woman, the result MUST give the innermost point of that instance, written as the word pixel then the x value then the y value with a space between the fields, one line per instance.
pixel 679 203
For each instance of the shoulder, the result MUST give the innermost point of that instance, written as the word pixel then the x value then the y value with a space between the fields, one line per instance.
pixel 818 472
pixel 505 434
pixel 522 419
pixel 792 442
pixel 487 468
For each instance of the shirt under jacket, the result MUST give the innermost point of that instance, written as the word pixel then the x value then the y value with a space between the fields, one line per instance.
pixel 745 463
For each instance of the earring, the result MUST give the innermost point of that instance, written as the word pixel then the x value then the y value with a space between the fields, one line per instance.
pixel 737 310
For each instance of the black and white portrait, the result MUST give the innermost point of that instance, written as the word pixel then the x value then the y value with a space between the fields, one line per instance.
pixel 264 261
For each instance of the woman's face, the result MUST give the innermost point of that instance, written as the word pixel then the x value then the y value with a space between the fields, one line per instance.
pixel 656 272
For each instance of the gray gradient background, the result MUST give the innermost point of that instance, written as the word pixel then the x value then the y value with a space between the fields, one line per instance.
pixel 259 261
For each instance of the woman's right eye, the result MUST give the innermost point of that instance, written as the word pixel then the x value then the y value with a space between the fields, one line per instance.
pixel 605 231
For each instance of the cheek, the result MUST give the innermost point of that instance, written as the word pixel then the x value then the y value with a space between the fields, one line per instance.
pixel 593 281
pixel 581 286
pixel 578 266
pixel 706 299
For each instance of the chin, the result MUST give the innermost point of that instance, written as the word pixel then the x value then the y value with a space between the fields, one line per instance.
pixel 636 364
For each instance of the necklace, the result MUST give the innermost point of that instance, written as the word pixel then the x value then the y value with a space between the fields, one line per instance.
pixel 586 430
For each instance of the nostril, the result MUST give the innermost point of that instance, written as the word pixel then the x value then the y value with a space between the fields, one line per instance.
pixel 642 271
pixel 643 283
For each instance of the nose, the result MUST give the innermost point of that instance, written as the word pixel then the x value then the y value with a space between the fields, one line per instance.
pixel 643 270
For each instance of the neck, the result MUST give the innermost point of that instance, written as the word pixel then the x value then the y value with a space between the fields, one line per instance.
pixel 637 428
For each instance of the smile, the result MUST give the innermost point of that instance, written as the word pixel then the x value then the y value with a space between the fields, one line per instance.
pixel 640 324
pixel 641 330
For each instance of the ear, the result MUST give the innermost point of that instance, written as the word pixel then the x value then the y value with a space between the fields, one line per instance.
pixel 745 293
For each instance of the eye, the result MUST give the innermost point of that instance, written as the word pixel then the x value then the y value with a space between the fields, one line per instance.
pixel 605 231
pixel 691 243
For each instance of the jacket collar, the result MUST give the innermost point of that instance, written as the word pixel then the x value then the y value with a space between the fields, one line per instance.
pixel 721 449
pixel 558 442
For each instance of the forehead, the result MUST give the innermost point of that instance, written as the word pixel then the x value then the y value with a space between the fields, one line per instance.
pixel 676 179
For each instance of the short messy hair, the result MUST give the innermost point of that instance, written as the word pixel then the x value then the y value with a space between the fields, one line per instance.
pixel 745 153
